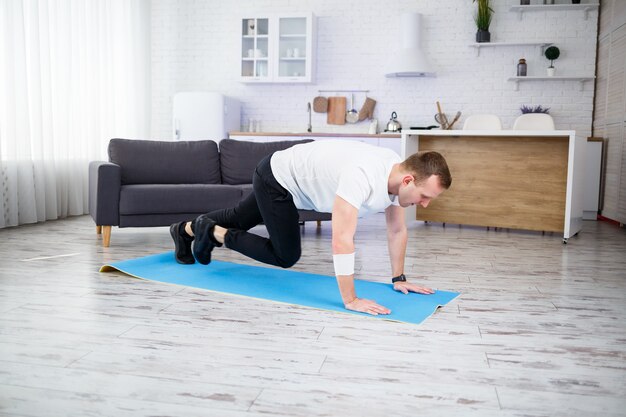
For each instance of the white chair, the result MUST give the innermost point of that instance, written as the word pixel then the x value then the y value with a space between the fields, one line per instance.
pixel 534 121
pixel 482 122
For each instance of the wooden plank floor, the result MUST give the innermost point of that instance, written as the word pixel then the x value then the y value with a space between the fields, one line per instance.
pixel 540 330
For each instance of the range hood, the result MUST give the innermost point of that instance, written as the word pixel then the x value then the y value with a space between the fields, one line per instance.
pixel 409 60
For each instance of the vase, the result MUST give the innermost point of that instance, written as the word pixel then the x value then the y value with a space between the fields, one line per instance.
pixel 551 71
pixel 521 68
pixel 483 36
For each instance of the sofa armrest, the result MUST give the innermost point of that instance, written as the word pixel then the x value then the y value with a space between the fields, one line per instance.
pixel 105 183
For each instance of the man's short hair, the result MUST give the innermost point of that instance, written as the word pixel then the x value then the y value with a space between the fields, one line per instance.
pixel 426 163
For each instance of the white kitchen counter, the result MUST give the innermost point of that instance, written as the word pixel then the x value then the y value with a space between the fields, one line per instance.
pixel 439 132
pixel 237 135
pixel 385 140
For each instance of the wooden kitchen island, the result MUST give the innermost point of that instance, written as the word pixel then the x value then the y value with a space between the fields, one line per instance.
pixel 531 180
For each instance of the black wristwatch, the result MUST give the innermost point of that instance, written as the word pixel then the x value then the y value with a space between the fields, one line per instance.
pixel 399 278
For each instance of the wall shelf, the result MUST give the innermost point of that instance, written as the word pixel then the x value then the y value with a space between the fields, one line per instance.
pixel 343 91
pixel 478 45
pixel 580 79
pixel 519 9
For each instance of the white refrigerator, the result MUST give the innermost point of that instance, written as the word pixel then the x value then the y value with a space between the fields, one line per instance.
pixel 201 115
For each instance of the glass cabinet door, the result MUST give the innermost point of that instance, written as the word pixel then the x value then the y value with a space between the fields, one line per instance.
pixel 255 48
pixel 292 47
pixel 277 48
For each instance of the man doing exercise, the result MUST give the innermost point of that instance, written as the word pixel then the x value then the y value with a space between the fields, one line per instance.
pixel 347 179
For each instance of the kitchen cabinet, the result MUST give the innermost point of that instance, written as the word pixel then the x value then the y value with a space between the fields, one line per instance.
pixel 277 49
pixel 255 48
pixel 392 143
pixel 518 179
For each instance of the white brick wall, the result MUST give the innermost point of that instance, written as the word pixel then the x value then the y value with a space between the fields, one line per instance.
pixel 195 47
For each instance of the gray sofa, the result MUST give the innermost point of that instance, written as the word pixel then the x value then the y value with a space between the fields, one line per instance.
pixel 152 183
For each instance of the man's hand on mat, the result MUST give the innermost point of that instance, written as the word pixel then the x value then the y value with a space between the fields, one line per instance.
pixel 367 306
pixel 406 287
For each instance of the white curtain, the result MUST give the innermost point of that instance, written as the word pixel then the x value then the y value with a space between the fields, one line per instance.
pixel 73 74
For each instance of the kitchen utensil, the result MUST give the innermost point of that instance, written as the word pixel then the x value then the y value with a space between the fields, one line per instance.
pixel 336 111
pixel 441 119
pixel 423 127
pixel 320 104
pixel 393 125
pixel 456 117
pixel 352 116
pixel 367 110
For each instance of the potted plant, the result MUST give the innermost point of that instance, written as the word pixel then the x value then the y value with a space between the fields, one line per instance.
pixel 537 109
pixel 483 20
pixel 552 53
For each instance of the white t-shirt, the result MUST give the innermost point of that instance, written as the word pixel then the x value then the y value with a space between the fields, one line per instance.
pixel 314 173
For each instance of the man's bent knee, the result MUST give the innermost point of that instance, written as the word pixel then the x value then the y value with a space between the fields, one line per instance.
pixel 289 260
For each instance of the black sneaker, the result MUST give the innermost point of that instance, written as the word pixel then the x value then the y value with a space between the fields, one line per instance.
pixel 182 243
pixel 204 241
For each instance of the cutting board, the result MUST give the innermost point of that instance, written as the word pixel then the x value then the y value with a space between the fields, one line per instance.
pixel 336 111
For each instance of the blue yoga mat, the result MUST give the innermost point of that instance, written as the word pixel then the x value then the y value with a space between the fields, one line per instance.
pixel 283 285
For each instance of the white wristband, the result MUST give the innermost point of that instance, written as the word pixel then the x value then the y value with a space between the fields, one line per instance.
pixel 344 264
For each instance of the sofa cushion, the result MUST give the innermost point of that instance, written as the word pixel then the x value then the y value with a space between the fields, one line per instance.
pixel 246 190
pixel 156 162
pixel 176 198
pixel 239 158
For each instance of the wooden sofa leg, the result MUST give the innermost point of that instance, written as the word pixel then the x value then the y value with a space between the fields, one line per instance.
pixel 106 236
pixel 319 223
pixel 98 230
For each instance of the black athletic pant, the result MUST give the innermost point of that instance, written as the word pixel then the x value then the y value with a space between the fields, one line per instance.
pixel 271 204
